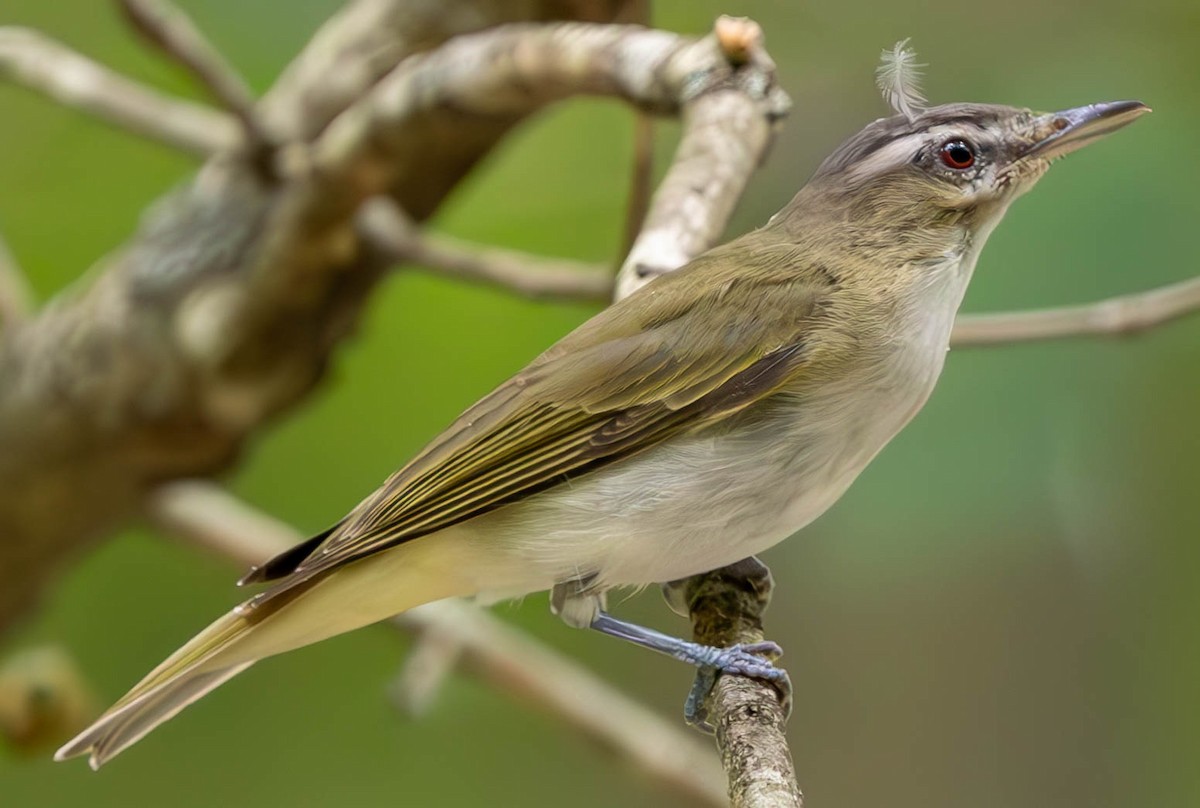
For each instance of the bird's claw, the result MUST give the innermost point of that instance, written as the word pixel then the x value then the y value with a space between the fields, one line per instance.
pixel 739 660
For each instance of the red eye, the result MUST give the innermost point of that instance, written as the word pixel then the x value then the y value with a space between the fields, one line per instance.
pixel 957 154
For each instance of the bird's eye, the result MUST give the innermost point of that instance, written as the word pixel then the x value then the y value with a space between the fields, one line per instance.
pixel 957 154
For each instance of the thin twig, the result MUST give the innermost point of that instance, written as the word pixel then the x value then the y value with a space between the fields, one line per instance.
pixel 206 515
pixel 389 230
pixel 39 63
pixel 642 168
pixel 176 35
pixel 640 181
pixel 432 658
pixel 1116 316
pixel 16 296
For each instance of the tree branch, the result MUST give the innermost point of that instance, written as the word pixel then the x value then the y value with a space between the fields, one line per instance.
pixel 169 29
pixel 1117 316
pixel 204 514
pixel 398 237
pixel 727 131
pixel 177 36
pixel 641 181
pixel 41 64
pixel 726 607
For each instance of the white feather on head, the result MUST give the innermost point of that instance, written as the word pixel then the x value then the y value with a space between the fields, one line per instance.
pixel 899 79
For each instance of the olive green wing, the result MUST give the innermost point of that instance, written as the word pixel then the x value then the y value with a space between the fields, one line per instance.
pixel 689 350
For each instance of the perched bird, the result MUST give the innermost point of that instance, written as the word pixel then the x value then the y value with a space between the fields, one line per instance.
pixel 695 423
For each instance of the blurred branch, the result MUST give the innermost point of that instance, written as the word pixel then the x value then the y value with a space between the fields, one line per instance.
pixel 432 658
pixel 1117 316
pixel 640 180
pixel 204 514
pixel 16 298
pixel 39 63
pixel 528 275
pixel 44 699
pixel 642 168
pixel 172 31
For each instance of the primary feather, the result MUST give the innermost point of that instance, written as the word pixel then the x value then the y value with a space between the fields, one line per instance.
pixel 899 79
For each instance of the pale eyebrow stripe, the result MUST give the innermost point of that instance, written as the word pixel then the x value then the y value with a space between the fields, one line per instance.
pixel 902 150
pixel 894 153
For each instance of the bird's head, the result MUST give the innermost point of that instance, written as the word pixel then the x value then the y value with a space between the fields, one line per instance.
pixel 913 188
pixel 960 156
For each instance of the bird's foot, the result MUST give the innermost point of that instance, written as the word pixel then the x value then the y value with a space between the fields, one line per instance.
pixel 739 660
pixel 748 660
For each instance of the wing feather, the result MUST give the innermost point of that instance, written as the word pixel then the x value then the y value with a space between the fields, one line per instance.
pixel 617 385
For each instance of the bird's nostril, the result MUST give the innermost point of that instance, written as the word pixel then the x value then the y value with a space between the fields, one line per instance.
pixel 1061 123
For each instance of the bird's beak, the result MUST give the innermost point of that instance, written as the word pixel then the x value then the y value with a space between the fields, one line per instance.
pixel 1059 133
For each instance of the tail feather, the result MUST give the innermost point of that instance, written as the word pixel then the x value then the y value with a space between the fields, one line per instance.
pixel 177 682
pixel 344 599
pixel 117 731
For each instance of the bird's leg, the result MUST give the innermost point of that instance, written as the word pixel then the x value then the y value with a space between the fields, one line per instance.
pixel 575 603
pixel 725 604
pixel 740 660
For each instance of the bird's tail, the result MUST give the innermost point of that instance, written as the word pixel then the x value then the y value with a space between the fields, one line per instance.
pixel 344 599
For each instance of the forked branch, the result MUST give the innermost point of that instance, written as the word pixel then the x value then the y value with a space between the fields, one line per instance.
pixel 36 61
pixel 172 31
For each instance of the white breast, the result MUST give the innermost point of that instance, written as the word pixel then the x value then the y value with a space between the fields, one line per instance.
pixel 708 500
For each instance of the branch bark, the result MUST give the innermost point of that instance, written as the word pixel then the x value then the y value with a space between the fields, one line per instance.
pixel 726 607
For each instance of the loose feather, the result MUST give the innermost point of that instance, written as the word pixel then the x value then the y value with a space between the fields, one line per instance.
pixel 899 79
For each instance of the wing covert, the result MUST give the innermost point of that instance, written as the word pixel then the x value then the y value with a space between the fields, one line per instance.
pixel 642 371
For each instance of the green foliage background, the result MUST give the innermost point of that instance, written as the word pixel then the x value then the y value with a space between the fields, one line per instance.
pixel 1002 611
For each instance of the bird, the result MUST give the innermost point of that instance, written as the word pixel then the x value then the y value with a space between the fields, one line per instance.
pixel 695 423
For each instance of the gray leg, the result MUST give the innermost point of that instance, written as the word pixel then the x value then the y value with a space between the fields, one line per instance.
pixel 740 660
pixel 581 606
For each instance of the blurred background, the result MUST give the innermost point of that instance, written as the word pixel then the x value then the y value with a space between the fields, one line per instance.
pixel 1003 610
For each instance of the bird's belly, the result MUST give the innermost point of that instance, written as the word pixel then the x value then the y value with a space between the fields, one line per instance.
pixel 710 499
